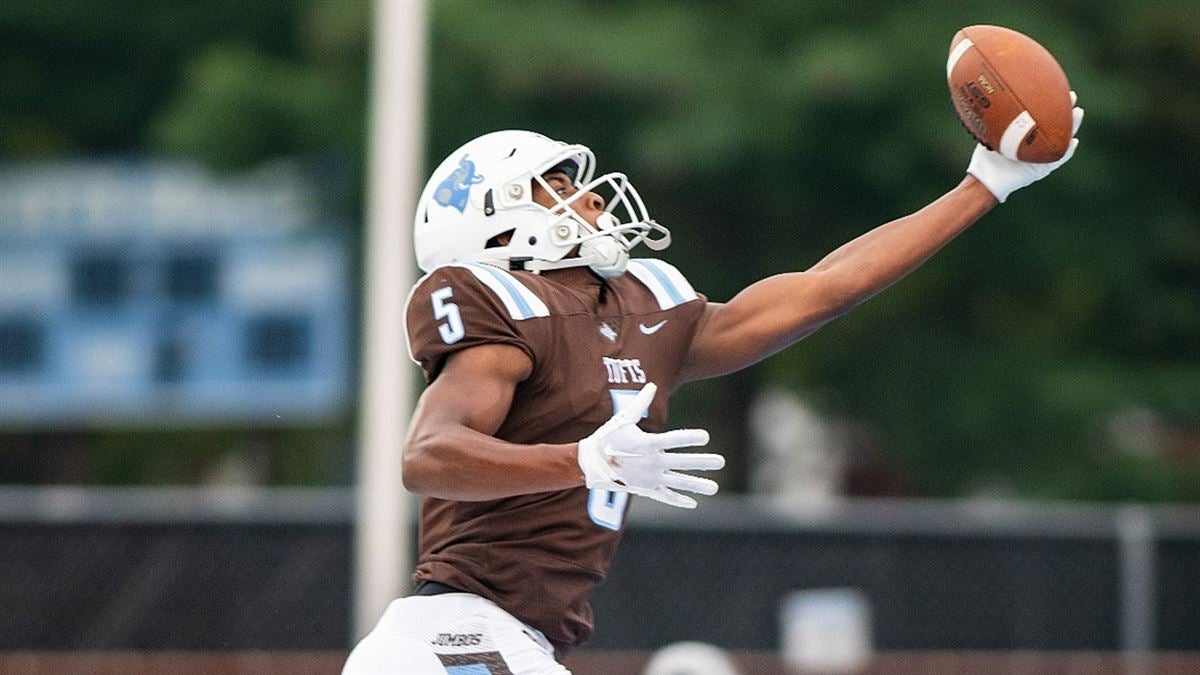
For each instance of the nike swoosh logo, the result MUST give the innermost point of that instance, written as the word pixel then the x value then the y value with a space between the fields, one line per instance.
pixel 651 330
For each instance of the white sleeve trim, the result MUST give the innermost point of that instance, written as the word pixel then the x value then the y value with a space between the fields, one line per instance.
pixel 404 319
pixel 668 284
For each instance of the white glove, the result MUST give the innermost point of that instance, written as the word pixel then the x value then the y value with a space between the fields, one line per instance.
pixel 621 457
pixel 1003 176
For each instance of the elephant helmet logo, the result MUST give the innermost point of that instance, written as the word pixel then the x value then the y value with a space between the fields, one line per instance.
pixel 456 188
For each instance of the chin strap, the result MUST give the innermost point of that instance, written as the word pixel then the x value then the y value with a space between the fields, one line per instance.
pixel 604 255
pixel 606 252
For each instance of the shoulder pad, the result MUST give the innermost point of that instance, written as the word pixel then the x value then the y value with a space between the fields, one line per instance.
pixel 520 302
pixel 668 284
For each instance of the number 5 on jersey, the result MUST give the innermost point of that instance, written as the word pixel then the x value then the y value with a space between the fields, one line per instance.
pixel 451 331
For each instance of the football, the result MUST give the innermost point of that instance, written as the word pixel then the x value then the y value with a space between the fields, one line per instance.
pixel 1010 93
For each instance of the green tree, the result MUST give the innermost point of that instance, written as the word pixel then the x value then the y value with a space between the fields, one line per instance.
pixel 764 134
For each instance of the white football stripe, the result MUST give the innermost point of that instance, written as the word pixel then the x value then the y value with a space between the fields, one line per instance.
pixel 520 302
pixel 956 54
pixel 668 284
pixel 1016 132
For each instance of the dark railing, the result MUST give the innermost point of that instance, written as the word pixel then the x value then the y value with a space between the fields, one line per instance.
pixel 172 569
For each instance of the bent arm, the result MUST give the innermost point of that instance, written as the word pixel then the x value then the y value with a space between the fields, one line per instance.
pixel 450 452
pixel 780 310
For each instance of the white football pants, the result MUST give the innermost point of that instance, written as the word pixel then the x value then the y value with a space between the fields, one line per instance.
pixel 451 634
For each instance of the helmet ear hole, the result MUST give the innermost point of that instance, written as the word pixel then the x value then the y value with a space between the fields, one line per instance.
pixel 501 239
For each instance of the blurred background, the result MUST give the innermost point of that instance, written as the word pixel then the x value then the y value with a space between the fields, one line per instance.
pixel 1002 452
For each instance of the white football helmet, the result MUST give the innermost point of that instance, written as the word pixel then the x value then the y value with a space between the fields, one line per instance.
pixel 484 191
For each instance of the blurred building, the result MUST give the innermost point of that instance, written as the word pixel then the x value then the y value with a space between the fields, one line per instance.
pixel 799 456
pixel 142 292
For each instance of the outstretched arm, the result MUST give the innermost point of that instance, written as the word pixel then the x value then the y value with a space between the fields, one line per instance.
pixel 780 310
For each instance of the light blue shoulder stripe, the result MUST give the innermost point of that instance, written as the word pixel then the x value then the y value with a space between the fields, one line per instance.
pixel 521 302
pixel 667 283
pixel 507 282
pixel 662 279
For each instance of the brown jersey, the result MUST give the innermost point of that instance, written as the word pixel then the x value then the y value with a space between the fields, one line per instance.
pixel 539 555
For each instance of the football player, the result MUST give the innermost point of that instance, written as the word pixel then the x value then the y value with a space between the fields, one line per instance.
pixel 549 354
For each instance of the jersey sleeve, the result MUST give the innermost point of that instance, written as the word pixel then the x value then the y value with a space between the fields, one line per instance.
pixel 455 308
